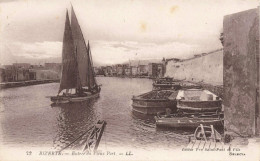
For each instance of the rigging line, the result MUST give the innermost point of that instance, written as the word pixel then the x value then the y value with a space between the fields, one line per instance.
pixel 76 139
pixel 77 67
pixel 89 66
pixel 91 61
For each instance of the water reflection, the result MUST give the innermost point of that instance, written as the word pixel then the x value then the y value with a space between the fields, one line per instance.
pixel 29 120
pixel 72 121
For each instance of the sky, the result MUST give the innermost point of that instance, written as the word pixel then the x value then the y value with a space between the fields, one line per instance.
pixel 31 31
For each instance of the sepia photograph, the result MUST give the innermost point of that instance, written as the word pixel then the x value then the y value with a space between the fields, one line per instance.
pixel 129 80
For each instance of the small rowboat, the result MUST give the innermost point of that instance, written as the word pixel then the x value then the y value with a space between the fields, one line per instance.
pixel 189 120
pixel 199 100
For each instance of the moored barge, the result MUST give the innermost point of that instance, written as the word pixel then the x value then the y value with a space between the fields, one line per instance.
pixel 166 83
pixel 155 101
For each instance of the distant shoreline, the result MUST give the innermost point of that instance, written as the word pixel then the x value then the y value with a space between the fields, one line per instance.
pixel 5 85
pixel 125 76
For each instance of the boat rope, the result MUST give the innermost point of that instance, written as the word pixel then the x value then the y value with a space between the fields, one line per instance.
pixel 77 139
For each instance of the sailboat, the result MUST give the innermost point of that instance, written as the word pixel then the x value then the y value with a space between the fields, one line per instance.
pixel 78 81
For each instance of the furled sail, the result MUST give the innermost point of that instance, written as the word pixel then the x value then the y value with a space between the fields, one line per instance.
pixel 69 64
pixel 82 57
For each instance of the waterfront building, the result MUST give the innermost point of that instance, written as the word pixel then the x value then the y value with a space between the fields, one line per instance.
pixel 152 70
pixel 160 70
pixel 109 70
pixel 10 73
pixel 119 70
pixel 96 70
pixel 103 71
pixel 143 70
pixel 155 70
pixel 22 74
pixel 32 74
pixel 53 66
pixel 2 75
pixel 37 67
pixel 22 65
pixel 134 70
pixel 114 70
pixel 46 74
pixel 128 71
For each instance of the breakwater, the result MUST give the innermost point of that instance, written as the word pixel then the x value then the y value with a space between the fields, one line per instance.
pixel 26 83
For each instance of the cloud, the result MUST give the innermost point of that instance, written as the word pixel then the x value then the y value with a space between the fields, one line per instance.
pixel 41 49
pixel 118 30
pixel 106 52
pixel 22 51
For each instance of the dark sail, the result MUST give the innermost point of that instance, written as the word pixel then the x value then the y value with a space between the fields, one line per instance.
pixel 69 65
pixel 92 79
pixel 82 52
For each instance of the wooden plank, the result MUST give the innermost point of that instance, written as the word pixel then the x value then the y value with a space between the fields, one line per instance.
pixel 191 143
pixel 212 145
pixel 213 134
pixel 207 145
pixel 219 145
pixel 196 144
pixel 202 144
pixel 203 132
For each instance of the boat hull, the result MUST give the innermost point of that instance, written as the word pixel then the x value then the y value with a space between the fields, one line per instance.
pixel 198 100
pixel 173 86
pixel 72 99
pixel 151 106
pixel 184 122
pixel 200 106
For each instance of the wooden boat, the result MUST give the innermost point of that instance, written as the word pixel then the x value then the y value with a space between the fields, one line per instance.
pixel 165 86
pixel 154 101
pixel 189 120
pixel 188 85
pixel 94 138
pixel 77 66
pixel 166 83
pixel 198 100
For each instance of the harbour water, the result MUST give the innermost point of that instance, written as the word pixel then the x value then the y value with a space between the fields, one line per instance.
pixel 29 120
